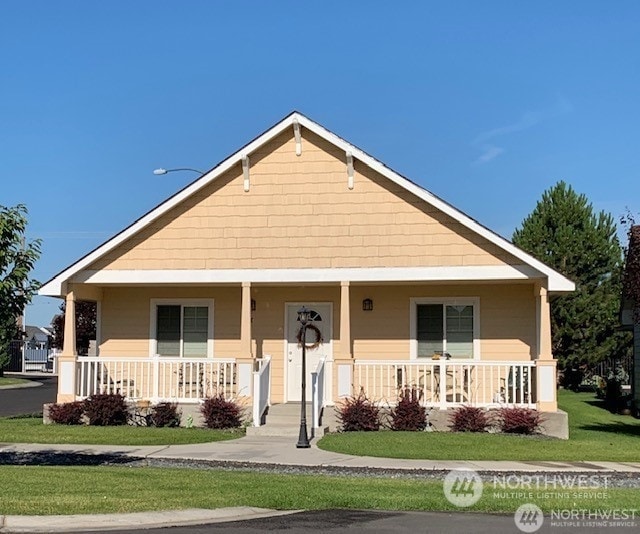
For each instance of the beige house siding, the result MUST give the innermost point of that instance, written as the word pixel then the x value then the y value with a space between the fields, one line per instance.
pixel 299 213
pixel 126 314
pixel 507 319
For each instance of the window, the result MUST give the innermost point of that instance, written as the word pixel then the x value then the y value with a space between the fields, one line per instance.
pixel 444 326
pixel 182 329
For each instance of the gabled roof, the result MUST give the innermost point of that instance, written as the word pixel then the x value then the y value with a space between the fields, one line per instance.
pixel 556 281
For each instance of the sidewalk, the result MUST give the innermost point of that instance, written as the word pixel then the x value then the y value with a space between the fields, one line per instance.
pixel 282 451
pixel 273 451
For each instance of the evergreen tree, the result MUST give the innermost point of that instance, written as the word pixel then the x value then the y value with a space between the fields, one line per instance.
pixel 564 232
pixel 16 263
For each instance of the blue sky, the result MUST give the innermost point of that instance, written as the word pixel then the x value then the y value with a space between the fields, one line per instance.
pixel 486 104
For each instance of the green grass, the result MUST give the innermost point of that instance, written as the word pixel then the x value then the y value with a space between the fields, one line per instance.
pixel 594 435
pixel 10 381
pixel 81 490
pixel 31 430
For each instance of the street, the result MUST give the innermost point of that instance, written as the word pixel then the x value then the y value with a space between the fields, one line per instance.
pixel 28 400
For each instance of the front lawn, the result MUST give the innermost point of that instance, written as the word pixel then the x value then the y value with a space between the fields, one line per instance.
pixel 84 490
pixel 10 381
pixel 594 434
pixel 31 430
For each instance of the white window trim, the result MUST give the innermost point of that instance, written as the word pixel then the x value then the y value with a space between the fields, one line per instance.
pixel 446 301
pixel 153 323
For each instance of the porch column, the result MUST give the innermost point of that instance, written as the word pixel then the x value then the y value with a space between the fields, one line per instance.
pixel 343 378
pixel 67 360
pixel 546 375
pixel 543 321
pixel 345 321
pixel 245 322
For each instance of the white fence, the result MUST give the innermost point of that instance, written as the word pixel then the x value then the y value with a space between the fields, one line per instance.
pixel 446 383
pixel 261 389
pixel 159 378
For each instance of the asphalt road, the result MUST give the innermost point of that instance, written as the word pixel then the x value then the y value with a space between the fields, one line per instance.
pixel 28 400
pixel 379 522
pixel 356 521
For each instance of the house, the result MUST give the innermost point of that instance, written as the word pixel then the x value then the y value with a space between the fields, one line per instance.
pixel 32 351
pixel 37 337
pixel 201 294
pixel 631 309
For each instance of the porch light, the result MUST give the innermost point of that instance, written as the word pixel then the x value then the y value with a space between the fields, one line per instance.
pixel 367 305
pixel 253 304
pixel 304 315
pixel 161 171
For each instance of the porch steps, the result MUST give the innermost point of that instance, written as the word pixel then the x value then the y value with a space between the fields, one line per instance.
pixel 284 420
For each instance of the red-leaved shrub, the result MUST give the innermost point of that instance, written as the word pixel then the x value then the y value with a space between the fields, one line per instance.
pixel 409 414
pixel 68 413
pixel 165 414
pixel 359 414
pixel 219 412
pixel 519 420
pixel 106 410
pixel 469 419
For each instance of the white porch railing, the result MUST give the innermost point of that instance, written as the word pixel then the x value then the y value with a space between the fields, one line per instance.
pixel 317 393
pixel 159 378
pixel 447 383
pixel 261 389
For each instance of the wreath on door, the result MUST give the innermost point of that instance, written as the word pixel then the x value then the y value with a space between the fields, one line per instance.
pixel 313 328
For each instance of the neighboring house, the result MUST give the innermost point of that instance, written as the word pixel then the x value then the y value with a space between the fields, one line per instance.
pixel 31 352
pixel 200 295
pixel 631 308
pixel 37 337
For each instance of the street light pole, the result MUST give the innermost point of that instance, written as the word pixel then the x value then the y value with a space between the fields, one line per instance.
pixel 303 438
pixel 161 171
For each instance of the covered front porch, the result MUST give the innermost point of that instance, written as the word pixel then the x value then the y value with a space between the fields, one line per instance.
pixel 369 341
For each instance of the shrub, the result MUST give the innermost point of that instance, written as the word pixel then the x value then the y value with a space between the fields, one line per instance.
pixel 519 420
pixel 165 414
pixel 469 419
pixel 613 388
pixel 106 410
pixel 219 412
pixel 359 414
pixel 409 414
pixel 68 413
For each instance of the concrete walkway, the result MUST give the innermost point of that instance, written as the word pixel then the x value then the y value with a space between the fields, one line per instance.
pixel 282 451
pixel 276 451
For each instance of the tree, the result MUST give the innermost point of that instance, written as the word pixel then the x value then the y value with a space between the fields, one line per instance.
pixel 17 259
pixel 85 326
pixel 564 232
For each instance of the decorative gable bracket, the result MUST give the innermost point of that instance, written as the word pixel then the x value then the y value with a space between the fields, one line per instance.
pixel 298 137
pixel 245 172
pixel 349 170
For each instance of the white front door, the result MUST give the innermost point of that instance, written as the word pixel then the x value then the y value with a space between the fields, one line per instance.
pixel 321 315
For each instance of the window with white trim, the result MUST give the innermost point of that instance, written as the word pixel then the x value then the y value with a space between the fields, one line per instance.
pixel 446 327
pixel 182 329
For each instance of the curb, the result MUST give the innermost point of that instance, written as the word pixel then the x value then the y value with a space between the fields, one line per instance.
pixel 130 521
